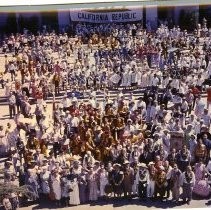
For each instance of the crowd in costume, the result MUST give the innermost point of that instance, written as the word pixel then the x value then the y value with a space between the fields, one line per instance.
pixel 85 150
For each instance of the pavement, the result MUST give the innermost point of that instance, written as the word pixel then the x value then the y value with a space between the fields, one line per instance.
pixel 134 204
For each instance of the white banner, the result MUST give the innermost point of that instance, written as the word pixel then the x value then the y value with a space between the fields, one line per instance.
pixel 107 17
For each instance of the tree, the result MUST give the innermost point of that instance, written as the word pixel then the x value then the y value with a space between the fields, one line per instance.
pixel 6 188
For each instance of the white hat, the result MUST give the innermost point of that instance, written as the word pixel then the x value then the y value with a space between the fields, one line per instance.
pixel 126 162
pixel 117 164
pixel 142 165
pixel 151 163
pixel 162 168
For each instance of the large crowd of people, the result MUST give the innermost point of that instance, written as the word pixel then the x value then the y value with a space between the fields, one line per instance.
pixel 155 146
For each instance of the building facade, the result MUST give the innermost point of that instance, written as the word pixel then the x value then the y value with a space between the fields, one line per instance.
pixel 59 20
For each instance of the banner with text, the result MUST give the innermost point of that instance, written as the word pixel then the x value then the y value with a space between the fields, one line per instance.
pixel 107 17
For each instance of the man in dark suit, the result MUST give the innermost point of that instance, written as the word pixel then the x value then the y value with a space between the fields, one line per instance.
pixel 146 156
pixel 172 157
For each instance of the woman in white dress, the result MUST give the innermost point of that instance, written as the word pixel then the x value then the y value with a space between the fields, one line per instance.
pixel 92 185
pixel 74 192
pixel 124 81
pixel 65 186
pixel 56 186
pixel 45 176
pixel 144 80
pixel 103 181
pixel 200 106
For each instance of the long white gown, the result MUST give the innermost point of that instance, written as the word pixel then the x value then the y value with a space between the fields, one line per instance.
pixel 124 79
pixel 144 80
pixel 74 195
pixel 45 182
pixel 103 182
pixel 56 185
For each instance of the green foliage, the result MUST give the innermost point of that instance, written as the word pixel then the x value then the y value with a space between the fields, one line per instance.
pixel 7 188
pixel 24 190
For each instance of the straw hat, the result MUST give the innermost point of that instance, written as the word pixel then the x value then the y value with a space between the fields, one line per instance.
pixel 126 162
pixel 142 165
pixel 151 163
pixel 116 164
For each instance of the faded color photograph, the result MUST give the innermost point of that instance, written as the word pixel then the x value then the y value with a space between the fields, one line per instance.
pixel 105 107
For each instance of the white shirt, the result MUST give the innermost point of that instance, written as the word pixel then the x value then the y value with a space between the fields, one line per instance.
pixel 74 122
pixel 206 118
pixel 66 102
pixel 155 81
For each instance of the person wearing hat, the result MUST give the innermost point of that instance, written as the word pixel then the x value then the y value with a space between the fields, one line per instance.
pixel 201 152
pixel 151 111
pixel 119 127
pixel 151 183
pixel 183 158
pixel 161 152
pixel 103 179
pixel 157 141
pixel 123 109
pixel 134 164
pixel 6 202
pixel 65 103
pixel 65 187
pixel 175 183
pixel 56 187
pixel 172 157
pixel 188 132
pixel 200 106
pixel 141 103
pixel 160 183
pixel 192 146
pixel 117 180
pixel 208 90
pixel 184 106
pixel 56 81
pixel 33 182
pixel 45 179
pixel 187 182
pixel 2 140
pixel 92 180
pixel 88 160
pixel 161 113
pixel 12 69
pixel 128 180
pixel 147 155
pixel 168 171
pixel 166 140
pixel 129 127
pixel 142 180
pixel 38 157
pixel 206 118
pixel 72 185
pixel 82 183
pixel 55 165
pixel 98 135
pixel 9 172
pixel 135 153
pixel 12 103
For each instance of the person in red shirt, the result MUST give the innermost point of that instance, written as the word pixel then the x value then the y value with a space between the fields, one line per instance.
pixel 57 68
pixel 196 92
pixel 208 97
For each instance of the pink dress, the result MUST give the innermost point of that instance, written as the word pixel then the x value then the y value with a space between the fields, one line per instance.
pixel 201 187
